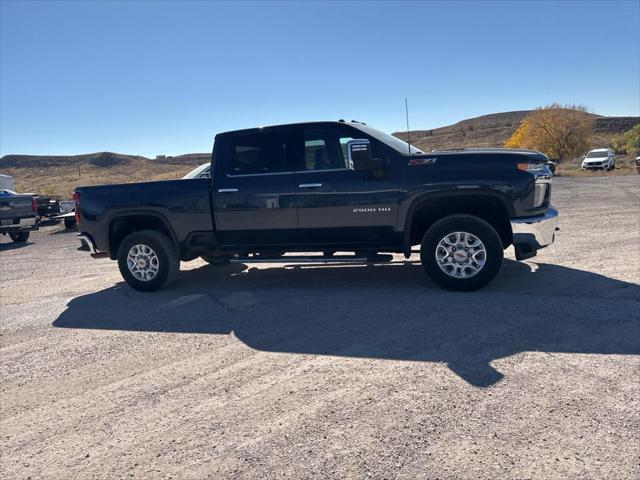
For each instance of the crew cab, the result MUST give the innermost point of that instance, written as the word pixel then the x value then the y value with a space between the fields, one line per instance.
pixel 327 187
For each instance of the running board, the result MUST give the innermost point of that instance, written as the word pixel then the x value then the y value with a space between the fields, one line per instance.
pixel 314 259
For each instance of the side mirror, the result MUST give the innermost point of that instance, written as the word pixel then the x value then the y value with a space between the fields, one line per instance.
pixel 360 156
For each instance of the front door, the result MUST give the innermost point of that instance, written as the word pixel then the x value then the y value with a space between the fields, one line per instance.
pixel 254 194
pixel 337 205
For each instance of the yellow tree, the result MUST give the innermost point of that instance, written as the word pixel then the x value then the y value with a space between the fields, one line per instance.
pixel 517 138
pixel 559 131
pixel 628 142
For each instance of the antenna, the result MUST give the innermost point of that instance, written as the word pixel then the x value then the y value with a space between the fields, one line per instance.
pixel 406 109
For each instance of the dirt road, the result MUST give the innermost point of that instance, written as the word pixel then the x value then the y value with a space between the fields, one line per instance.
pixel 330 372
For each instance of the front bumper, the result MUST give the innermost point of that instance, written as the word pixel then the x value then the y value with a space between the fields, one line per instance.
pixel 588 166
pixel 533 233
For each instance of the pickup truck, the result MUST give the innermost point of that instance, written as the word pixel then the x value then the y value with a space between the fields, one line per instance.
pixel 327 187
pixel 18 215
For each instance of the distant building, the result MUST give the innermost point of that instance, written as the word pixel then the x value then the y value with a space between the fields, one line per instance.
pixel 161 157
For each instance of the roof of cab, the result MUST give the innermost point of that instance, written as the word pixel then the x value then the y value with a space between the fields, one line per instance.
pixel 295 124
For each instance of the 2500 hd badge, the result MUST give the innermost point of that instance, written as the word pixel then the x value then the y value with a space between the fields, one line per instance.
pixel 367 210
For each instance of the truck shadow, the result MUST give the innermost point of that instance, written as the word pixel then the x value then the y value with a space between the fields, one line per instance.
pixel 14 245
pixel 390 311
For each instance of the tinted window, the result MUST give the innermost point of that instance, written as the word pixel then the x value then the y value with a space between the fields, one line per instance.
pixel 259 153
pixel 326 149
pixel 597 154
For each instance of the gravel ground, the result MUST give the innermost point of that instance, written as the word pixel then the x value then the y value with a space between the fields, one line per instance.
pixel 330 372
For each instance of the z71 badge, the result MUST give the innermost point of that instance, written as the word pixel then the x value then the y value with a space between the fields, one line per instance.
pixel 371 210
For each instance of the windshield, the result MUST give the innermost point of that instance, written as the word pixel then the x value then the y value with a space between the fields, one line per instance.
pixel 597 154
pixel 395 143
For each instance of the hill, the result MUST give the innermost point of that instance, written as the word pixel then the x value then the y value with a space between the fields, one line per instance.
pixel 60 174
pixel 494 129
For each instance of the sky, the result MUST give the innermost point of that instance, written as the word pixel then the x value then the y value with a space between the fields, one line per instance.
pixel 153 77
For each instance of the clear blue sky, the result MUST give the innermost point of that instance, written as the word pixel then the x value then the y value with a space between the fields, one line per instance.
pixel 162 77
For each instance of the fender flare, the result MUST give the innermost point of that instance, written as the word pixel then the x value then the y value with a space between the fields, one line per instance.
pixel 118 214
pixel 427 197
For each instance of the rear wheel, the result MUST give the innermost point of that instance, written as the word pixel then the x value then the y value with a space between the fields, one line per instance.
pixel 148 260
pixel 19 236
pixel 461 253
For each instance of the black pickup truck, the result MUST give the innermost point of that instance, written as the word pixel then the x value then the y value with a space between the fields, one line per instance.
pixel 327 187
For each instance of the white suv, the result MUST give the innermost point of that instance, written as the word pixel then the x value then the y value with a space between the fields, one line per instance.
pixel 599 158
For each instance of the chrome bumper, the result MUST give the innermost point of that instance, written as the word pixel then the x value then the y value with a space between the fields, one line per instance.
pixel 533 233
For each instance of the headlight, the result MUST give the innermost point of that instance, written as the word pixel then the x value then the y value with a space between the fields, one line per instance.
pixel 532 167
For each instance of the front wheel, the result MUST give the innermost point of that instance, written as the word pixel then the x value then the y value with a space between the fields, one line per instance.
pixel 19 237
pixel 461 253
pixel 147 260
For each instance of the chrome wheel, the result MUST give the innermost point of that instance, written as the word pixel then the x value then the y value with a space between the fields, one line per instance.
pixel 461 255
pixel 143 262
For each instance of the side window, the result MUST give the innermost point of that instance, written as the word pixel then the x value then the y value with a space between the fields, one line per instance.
pixel 258 153
pixel 325 149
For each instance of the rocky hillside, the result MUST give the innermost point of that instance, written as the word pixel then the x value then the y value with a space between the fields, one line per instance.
pixel 61 174
pixel 494 129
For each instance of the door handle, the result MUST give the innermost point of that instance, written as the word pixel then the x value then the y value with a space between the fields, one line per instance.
pixel 227 190
pixel 310 185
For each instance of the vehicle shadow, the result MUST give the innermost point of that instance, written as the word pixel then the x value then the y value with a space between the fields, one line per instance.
pixel 14 245
pixel 390 311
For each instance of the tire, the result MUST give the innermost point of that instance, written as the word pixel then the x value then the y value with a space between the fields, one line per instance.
pixel 467 276
pixel 166 260
pixel 19 236
pixel 216 259
pixel 69 223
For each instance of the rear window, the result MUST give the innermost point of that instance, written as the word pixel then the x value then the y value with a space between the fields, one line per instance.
pixel 258 153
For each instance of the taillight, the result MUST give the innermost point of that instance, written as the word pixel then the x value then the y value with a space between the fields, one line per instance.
pixel 34 205
pixel 76 199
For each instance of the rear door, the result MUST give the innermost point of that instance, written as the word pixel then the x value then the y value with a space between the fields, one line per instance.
pixel 337 205
pixel 254 191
